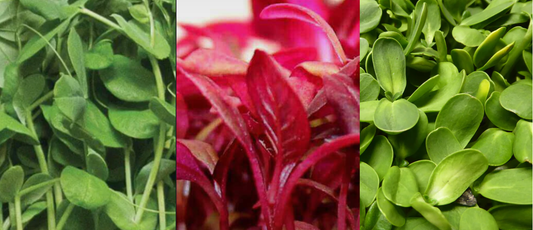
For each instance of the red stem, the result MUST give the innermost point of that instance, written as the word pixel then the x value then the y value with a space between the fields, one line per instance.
pixel 320 153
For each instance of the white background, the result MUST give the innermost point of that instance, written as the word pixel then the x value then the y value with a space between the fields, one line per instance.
pixel 201 12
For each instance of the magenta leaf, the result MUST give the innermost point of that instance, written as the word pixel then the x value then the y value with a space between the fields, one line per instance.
pixel 213 63
pixel 343 95
pixel 290 58
pixel 182 118
pixel 188 169
pixel 218 43
pixel 233 119
pixel 281 112
pixel 304 226
pixel 203 152
pixel 277 11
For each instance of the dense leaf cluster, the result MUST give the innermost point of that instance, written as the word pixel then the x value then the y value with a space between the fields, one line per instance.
pixel 87 114
pixel 270 143
pixel 446 114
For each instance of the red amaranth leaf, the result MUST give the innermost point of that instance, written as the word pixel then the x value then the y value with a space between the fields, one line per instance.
pixel 188 169
pixel 233 119
pixel 297 12
pixel 213 63
pixel 290 58
pixel 182 122
pixel 203 152
pixel 281 112
pixel 343 95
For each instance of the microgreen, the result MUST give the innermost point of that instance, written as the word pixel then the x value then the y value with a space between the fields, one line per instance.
pixel 86 119
pixel 446 114
pixel 270 141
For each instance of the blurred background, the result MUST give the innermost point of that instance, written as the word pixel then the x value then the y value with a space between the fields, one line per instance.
pixel 201 12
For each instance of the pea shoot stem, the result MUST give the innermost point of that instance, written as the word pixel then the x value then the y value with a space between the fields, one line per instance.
pixel 159 148
pixel 18 213
pixel 44 168
pixel 65 216
pixel 127 169
pixel 100 18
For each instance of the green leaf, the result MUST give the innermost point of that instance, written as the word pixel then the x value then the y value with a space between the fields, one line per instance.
pixel 517 98
pixel 36 185
pixel 389 64
pixel 69 98
pixel 462 59
pixel 456 7
pixel 166 168
pixel 424 89
pixel 61 154
pixel 83 189
pixel 487 14
pixel 163 110
pixel 522 146
pixel 10 127
pixel 468 36
pixel 462 114
pixel 422 170
pixel 399 186
pixel 368 109
pixel 473 81
pixel 407 143
pixel 499 55
pixel 75 52
pixel 370 15
pixel 395 117
pixel 128 80
pixel 367 135
pixel 450 82
pixel 11 183
pixel 36 43
pixel 140 34
pixel 369 88
pixel 417 223
pixel 430 213
pixel 141 124
pixel 486 49
pixel 369 184
pixel 122 213
pixel 97 124
pixel 375 220
pixel 512 186
pixel 97 166
pixel 513 217
pixel 32 211
pixel 440 143
pixel 419 21
pixel 379 155
pixel 100 56
pixel 29 90
pixel 477 218
pixel 500 117
pixel 432 24
pixel 496 145
pixel 394 214
pixel 49 9
pixel 140 13
pixel 454 174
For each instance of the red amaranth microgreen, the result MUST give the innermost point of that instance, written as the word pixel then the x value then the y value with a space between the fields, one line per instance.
pixel 284 126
